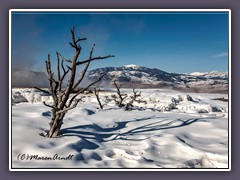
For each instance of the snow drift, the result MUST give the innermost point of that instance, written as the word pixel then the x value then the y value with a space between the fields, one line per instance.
pixel 167 129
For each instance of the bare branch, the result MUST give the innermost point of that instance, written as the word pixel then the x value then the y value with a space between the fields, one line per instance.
pixel 51 80
pixel 136 94
pixel 72 44
pixel 95 58
pixel 64 71
pixel 68 60
pixel 47 105
pixel 63 58
pixel 58 68
pixel 71 107
pixel 74 41
pixel 120 96
pixel 68 90
pixel 62 65
pixel 69 68
pixel 80 39
pixel 84 70
pixel 56 87
pixel 82 90
pixel 96 92
pixel 42 90
pixel 116 85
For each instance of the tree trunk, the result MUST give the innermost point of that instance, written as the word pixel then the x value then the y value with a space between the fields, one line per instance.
pixel 55 124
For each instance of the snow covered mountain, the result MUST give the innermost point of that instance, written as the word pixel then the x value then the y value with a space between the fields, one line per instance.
pixel 212 74
pixel 143 77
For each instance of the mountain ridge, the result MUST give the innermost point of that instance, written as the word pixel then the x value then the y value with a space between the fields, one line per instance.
pixel 138 77
pixel 144 77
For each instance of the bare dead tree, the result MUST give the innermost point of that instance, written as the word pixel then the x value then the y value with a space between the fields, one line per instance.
pixel 135 95
pixel 107 99
pixel 96 93
pixel 119 100
pixel 62 101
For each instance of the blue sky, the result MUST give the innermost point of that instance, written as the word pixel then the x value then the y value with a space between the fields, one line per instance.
pixel 173 42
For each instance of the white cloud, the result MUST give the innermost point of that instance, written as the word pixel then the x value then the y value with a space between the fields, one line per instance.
pixel 220 55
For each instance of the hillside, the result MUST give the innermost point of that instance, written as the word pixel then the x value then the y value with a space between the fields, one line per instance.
pixel 143 77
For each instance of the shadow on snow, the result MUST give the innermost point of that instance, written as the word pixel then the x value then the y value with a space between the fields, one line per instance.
pixel 120 131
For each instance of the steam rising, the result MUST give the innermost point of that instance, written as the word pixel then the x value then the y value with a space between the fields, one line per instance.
pixel 29 79
pixel 25 78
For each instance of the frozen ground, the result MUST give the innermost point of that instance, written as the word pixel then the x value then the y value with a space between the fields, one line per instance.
pixel 167 129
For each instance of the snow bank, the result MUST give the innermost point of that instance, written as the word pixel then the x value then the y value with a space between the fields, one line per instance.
pixel 29 95
pixel 155 101
pixel 17 97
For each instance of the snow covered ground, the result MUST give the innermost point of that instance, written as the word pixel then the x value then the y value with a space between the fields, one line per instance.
pixel 166 129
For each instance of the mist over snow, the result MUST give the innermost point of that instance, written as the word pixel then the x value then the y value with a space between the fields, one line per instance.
pixel 26 78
